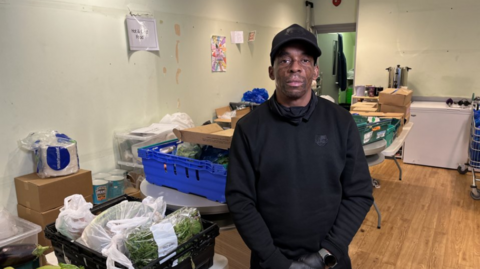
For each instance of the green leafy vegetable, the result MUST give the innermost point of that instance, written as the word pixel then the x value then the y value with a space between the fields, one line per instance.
pixel 69 266
pixel 192 151
pixel 142 248
pixel 40 250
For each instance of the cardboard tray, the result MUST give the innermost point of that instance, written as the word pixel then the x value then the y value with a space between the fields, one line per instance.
pixel 211 134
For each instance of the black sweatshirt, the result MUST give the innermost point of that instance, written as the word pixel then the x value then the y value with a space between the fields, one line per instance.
pixel 293 189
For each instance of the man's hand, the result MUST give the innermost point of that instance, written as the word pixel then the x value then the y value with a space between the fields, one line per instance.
pixel 300 265
pixel 313 260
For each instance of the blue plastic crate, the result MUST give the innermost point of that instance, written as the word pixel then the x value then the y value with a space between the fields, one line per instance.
pixel 202 178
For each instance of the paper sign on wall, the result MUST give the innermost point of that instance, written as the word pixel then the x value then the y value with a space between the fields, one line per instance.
pixel 237 37
pixel 142 33
pixel 251 36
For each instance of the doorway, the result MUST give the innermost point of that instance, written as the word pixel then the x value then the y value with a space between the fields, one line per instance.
pixel 328 63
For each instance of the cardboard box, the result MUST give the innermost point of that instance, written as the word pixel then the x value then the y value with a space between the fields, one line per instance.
pixel 235 120
pixel 42 219
pixel 211 134
pixel 398 109
pixel 130 191
pixel 394 97
pixel 45 194
pixel 399 116
pixel 223 110
pixel 365 107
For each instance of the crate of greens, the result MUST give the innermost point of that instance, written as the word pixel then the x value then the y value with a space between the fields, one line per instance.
pixel 186 240
pixel 187 168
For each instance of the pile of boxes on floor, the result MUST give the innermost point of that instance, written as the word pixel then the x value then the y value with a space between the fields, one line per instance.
pixel 40 199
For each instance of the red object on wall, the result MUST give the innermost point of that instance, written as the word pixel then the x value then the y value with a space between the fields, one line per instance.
pixel 336 2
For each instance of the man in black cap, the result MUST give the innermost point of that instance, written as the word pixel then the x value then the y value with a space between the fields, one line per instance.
pixel 298 184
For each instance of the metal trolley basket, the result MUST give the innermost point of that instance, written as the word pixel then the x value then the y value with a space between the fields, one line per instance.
pixel 473 158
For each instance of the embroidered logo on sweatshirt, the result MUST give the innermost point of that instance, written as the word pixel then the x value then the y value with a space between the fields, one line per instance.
pixel 321 140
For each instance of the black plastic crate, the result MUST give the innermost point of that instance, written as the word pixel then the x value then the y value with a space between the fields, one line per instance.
pixel 201 246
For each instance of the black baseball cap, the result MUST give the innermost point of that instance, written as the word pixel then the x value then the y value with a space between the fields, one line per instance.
pixel 295 32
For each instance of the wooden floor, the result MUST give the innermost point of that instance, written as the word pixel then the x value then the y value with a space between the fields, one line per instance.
pixel 428 221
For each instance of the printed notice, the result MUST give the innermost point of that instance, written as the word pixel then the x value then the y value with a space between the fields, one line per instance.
pixel 142 33
pixel 237 37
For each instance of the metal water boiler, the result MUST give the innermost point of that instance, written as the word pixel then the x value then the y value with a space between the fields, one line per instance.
pixel 397 76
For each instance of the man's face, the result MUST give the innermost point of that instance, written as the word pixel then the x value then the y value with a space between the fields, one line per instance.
pixel 293 71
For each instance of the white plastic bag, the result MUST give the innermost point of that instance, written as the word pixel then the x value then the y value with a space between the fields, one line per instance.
pixel 55 154
pixel 183 120
pixel 8 224
pixel 74 216
pixel 158 205
pixel 228 115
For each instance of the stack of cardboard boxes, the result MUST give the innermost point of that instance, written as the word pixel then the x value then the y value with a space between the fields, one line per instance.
pixel 396 101
pixel 40 200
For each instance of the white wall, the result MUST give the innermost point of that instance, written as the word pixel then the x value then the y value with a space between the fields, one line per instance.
pixel 65 65
pixel 438 39
pixel 327 13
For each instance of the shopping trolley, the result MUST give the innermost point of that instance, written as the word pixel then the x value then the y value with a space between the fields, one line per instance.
pixel 474 157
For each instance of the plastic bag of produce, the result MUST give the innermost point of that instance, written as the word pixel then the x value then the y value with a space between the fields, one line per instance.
pixel 107 232
pixel 74 216
pixel 145 245
pixel 189 150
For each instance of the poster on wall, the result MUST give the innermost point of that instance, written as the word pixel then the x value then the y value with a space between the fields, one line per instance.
pixel 142 33
pixel 251 36
pixel 219 53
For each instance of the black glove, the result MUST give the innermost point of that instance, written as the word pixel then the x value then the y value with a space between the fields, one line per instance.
pixel 299 265
pixel 314 260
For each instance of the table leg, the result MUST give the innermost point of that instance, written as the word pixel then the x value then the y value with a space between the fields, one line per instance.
pixel 379 215
pixel 398 165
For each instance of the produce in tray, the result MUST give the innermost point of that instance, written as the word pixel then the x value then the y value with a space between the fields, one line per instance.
pixel 13 255
pixel 98 236
pixel 142 245
pixel 189 150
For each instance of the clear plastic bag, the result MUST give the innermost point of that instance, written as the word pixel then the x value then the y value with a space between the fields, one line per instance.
pixel 74 216
pixel 8 224
pixel 145 244
pixel 107 232
pixel 55 154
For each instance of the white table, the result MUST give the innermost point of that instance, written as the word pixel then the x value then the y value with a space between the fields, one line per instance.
pixel 397 143
pixel 176 199
pixel 210 210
